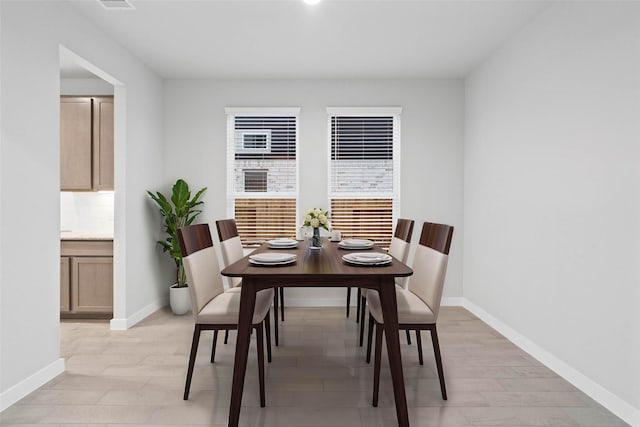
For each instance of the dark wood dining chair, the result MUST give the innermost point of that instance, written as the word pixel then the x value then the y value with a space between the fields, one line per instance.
pixel 232 251
pixel 399 249
pixel 212 307
pixel 419 304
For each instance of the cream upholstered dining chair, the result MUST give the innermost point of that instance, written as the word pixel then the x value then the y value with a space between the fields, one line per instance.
pixel 419 304
pixel 212 307
pixel 399 249
pixel 232 251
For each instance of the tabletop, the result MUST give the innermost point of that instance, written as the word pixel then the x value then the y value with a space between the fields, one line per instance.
pixel 325 264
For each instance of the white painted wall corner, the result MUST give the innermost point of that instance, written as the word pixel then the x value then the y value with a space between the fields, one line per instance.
pixel 126 323
pixel 31 383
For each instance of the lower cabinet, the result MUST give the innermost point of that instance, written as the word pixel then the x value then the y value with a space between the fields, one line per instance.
pixel 86 280
pixel 65 285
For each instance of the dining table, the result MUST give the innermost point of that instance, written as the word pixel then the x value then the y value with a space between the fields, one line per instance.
pixel 314 267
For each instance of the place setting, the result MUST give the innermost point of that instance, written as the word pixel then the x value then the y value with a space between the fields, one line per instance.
pixel 355 244
pixel 367 259
pixel 282 243
pixel 272 259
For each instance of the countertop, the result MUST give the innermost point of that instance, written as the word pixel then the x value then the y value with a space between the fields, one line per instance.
pixel 85 235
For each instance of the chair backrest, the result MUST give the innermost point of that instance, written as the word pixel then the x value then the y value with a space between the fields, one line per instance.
pixel 201 265
pixel 399 247
pixel 230 244
pixel 430 264
pixel 193 238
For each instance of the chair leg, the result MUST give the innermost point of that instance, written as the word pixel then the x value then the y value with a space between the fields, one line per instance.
pixel 371 323
pixel 192 360
pixel 260 347
pixel 267 329
pixel 376 364
pixel 213 345
pixel 408 337
pixel 436 351
pixel 358 298
pixel 275 313
pixel 363 305
pixel 348 300
pixel 282 304
pixel 226 335
pixel 419 345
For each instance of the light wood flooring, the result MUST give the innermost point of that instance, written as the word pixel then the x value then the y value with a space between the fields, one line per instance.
pixel 318 378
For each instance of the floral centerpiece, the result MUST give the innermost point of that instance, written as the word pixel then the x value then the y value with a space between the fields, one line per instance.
pixel 316 218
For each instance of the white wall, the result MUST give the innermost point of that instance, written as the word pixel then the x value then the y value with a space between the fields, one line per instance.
pixel 432 135
pixel 31 33
pixel 552 220
pixel 86 86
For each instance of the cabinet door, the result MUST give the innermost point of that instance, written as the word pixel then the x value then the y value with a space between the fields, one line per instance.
pixel 65 284
pixel 103 143
pixel 92 284
pixel 75 144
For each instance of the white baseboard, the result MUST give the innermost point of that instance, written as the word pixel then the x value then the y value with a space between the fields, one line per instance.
pixel 126 323
pixel 452 302
pixel 31 383
pixel 613 403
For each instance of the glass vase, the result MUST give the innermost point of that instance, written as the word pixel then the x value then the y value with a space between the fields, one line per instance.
pixel 316 240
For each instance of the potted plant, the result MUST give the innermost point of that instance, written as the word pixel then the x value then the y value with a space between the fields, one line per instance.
pixel 178 211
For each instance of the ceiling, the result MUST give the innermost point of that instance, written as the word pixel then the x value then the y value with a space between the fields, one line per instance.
pixel 335 39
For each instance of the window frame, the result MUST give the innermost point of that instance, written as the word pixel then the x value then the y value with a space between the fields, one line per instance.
pixel 394 194
pixel 232 194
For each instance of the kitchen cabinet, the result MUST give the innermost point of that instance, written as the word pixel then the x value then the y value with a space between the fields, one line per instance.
pixel 86 278
pixel 86 143
pixel 65 285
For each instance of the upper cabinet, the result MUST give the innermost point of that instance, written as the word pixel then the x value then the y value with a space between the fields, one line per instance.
pixel 86 143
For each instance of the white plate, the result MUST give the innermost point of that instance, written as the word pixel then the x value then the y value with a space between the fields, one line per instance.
pixel 272 257
pixel 282 242
pixel 368 264
pixel 283 247
pixel 367 258
pixel 272 264
pixel 356 244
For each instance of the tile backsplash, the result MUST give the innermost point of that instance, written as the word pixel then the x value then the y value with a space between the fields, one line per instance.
pixel 86 211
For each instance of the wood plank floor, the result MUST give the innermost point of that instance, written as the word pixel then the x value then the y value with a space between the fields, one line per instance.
pixel 318 378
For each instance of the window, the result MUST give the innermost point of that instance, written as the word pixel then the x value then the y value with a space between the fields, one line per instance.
pixel 262 172
pixel 255 181
pixel 255 141
pixel 364 171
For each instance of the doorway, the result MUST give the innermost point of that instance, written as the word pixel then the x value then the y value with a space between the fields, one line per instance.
pixel 89 111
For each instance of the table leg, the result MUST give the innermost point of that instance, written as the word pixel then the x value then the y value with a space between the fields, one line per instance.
pixel 390 316
pixel 247 306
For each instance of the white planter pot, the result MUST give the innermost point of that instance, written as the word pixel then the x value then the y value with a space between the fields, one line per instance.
pixel 179 299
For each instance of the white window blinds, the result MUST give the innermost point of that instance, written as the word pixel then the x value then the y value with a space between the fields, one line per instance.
pixel 364 184
pixel 262 172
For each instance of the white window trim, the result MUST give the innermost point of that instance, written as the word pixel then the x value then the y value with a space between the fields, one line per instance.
pixel 364 111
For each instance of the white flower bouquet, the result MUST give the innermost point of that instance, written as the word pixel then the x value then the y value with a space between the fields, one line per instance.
pixel 317 218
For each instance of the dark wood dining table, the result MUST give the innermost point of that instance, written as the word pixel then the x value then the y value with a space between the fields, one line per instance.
pixel 317 268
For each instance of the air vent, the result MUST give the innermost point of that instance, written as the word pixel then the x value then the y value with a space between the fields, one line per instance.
pixel 116 4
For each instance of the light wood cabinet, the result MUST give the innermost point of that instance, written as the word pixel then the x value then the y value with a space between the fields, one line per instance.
pixel 92 284
pixel 65 285
pixel 86 143
pixel 103 143
pixel 86 278
pixel 75 143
